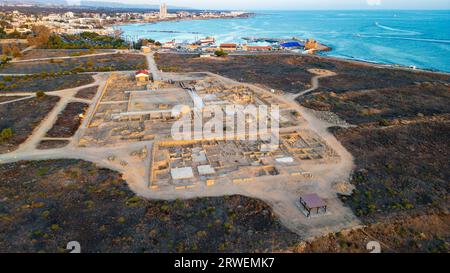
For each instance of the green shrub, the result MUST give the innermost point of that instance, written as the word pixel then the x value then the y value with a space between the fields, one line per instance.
pixel 372 208
pixel 384 122
pixel 55 227
pixel 6 134
pixel 228 225
pixel 165 208
pixel 78 70
pixel 220 53
pixel 40 94
pixel 42 171
pixel 133 201
pixel 4 60
pixel 90 63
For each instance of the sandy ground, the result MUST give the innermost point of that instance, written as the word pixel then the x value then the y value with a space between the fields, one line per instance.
pixel 281 193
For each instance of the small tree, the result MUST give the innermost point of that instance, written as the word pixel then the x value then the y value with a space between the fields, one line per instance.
pixel 41 35
pixel 40 94
pixel 8 78
pixel 6 49
pixel 4 60
pixel 6 134
pixel 384 122
pixel 2 33
pixel 90 64
pixel 220 53
pixel 15 51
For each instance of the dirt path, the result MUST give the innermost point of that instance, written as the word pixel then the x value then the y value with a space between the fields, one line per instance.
pixel 63 57
pixel 27 49
pixel 16 100
pixel 320 73
pixel 39 132
pixel 67 96
pixel 152 66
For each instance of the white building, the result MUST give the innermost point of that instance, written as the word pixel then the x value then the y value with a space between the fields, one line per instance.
pixel 163 11
pixel 69 14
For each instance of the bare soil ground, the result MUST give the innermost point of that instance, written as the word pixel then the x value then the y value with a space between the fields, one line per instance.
pixel 52 144
pixel 63 200
pixel 22 117
pixel 51 53
pixel 68 120
pixel 401 167
pixel 374 105
pixel 87 93
pixel 253 69
pixel 405 233
pixel 290 72
pixel 93 63
pixel 353 76
pixel 46 204
pixel 43 83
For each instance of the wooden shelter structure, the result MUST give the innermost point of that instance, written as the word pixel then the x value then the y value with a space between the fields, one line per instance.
pixel 311 202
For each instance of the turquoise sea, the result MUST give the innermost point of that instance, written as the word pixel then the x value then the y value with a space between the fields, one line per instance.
pixel 409 38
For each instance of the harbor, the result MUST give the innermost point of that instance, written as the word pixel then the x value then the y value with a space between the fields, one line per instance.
pixel 208 46
pixel 350 35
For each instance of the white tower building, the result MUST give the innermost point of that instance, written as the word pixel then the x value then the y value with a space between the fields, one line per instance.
pixel 163 11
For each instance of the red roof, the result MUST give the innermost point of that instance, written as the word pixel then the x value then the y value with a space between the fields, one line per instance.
pixel 142 72
pixel 228 45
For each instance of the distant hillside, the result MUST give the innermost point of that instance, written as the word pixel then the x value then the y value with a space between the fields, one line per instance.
pixel 124 5
pixel 37 2
pixel 94 4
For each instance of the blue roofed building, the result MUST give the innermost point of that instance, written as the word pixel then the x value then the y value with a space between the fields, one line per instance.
pixel 292 45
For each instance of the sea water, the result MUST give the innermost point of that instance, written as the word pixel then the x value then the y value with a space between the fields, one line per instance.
pixel 408 38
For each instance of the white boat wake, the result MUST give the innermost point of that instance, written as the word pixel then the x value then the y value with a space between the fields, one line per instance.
pixel 410 32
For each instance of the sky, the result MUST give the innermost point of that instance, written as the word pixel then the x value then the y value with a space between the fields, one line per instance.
pixel 298 4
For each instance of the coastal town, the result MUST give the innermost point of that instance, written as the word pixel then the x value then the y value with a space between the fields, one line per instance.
pixel 87 138
pixel 74 22
pixel 16 24
pixel 207 47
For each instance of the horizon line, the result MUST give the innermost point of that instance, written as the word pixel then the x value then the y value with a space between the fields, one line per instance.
pixel 247 10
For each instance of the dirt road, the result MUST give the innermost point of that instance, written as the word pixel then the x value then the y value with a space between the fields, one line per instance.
pixel 320 73
pixel 62 57
pixel 152 66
